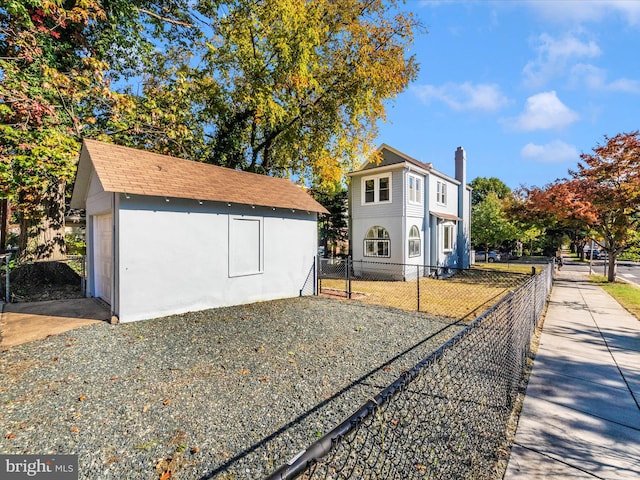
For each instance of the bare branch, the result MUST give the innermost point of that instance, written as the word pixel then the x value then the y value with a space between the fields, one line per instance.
pixel 165 19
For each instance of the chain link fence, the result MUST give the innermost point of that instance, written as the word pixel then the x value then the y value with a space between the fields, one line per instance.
pixel 28 281
pixel 446 418
pixel 432 289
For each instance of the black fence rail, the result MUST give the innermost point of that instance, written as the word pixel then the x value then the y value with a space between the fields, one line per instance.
pixel 447 417
pixel 442 291
pixel 43 280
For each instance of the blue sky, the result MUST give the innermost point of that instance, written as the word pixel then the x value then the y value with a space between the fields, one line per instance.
pixel 523 86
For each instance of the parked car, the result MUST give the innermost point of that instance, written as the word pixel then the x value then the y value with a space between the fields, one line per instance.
pixel 596 254
pixel 493 256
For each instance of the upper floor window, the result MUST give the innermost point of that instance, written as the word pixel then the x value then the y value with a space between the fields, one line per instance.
pixel 414 241
pixel 441 193
pixel 377 243
pixel 448 236
pixel 376 189
pixel 415 189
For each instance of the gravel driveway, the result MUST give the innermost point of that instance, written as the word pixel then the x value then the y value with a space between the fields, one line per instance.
pixel 230 393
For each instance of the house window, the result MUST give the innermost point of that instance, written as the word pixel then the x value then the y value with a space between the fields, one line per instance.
pixel 245 246
pixel 414 242
pixel 377 243
pixel 448 236
pixel 441 193
pixel 415 189
pixel 376 189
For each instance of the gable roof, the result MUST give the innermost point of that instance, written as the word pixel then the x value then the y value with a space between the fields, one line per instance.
pixel 139 172
pixel 391 156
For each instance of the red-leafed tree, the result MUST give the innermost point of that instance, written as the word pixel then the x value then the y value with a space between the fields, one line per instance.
pixel 609 181
pixel 603 194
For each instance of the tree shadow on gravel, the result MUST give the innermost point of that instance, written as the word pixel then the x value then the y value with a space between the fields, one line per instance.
pixel 360 381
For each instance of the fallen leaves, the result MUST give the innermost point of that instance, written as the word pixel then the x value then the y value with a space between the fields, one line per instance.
pixel 10 436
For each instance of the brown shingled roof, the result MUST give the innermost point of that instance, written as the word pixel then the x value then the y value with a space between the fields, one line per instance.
pixel 138 172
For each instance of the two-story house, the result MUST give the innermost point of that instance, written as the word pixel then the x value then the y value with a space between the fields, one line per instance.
pixel 404 211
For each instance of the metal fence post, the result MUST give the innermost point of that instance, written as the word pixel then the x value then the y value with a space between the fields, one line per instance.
pixel 348 277
pixel 315 274
pixel 7 283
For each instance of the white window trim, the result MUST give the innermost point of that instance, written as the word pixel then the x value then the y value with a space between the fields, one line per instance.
pixel 234 270
pixel 376 189
pixel 452 236
pixel 418 194
pixel 386 240
pixel 441 196
pixel 417 239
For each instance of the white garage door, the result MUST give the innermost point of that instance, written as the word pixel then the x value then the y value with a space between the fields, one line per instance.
pixel 102 255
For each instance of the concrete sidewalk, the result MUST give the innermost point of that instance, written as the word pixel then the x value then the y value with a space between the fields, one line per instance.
pixel 581 413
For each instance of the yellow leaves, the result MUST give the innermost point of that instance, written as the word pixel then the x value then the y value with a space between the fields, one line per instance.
pixel 244 371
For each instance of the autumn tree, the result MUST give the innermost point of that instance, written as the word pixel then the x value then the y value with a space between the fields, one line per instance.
pixel 287 88
pixel 607 184
pixel 54 89
pixel 281 88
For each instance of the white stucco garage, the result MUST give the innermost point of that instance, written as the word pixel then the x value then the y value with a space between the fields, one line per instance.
pixel 167 235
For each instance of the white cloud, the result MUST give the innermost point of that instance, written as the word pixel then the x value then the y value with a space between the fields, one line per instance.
pixel 595 78
pixel 544 111
pixel 464 96
pixel 586 11
pixel 554 55
pixel 554 152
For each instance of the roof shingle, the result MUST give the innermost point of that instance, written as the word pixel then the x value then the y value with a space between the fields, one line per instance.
pixel 129 170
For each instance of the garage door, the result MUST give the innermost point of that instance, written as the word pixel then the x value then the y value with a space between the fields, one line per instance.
pixel 102 256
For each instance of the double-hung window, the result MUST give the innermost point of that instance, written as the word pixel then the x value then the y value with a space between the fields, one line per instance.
pixel 414 242
pixel 448 236
pixel 441 193
pixel 377 243
pixel 376 189
pixel 415 189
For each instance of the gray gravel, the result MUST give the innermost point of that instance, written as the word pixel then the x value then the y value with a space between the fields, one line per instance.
pixel 230 393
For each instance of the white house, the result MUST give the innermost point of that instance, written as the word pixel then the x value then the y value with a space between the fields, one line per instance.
pixel 403 211
pixel 167 235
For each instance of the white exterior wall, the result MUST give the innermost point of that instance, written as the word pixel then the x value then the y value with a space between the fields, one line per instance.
pixel 389 215
pixel 174 257
pixel 98 202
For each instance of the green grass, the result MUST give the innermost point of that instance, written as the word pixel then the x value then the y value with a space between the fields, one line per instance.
pixel 627 295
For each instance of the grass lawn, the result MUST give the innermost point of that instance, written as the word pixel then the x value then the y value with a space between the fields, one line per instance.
pixel 627 295
pixel 464 295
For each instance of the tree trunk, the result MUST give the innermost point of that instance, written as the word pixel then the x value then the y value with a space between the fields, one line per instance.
pixel 43 238
pixel 611 271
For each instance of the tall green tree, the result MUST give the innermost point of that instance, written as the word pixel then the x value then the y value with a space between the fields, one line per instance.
pixel 490 225
pixel 482 186
pixel 285 87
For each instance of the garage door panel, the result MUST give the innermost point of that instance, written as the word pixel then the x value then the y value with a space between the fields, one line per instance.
pixel 103 252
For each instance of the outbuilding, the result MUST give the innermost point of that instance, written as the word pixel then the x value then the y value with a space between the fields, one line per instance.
pixel 167 235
